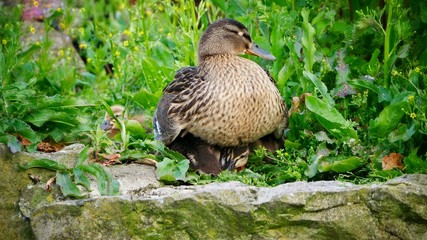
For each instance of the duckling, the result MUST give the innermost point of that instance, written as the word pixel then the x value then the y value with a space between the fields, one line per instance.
pixel 226 101
pixel 210 159
pixel 136 124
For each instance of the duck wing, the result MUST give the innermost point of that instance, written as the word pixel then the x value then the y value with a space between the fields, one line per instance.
pixel 173 107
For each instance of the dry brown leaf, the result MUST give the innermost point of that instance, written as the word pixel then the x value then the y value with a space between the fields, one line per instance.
pixel 24 141
pixel 34 178
pixel 147 161
pixel 113 156
pixel 49 183
pixel 393 160
pixel 298 103
pixel 49 147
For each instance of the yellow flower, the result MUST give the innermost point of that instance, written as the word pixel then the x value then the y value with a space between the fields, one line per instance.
pixel 127 32
pixel 61 53
pixel 4 41
pixel 126 43
pixel 411 98
pixel 36 3
pixel 82 46
pixel 89 60
pixel 136 49
pixel 117 53
pixel 32 30
pixel 394 73
pixel 122 6
pixel 417 69
pixel 148 12
pixel 413 115
pixel 141 33
pixel 38 43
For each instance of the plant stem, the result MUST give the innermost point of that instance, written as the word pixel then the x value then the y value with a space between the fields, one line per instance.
pixel 387 36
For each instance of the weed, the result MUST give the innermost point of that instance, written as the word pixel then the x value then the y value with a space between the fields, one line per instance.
pixel 353 74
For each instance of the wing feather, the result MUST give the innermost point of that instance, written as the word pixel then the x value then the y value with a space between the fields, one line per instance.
pixel 175 102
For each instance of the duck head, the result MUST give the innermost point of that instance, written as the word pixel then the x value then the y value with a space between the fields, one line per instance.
pixel 109 123
pixel 228 36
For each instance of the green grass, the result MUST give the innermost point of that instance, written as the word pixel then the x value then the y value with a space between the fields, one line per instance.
pixel 365 71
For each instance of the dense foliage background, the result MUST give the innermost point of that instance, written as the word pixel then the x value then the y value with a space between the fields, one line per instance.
pixel 353 74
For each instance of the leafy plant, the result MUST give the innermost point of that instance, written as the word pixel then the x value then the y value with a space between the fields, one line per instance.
pixel 68 178
pixel 351 72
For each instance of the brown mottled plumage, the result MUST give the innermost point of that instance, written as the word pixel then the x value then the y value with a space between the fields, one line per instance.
pixel 227 101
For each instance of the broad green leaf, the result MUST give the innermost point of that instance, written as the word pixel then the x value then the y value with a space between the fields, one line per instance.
pixel 106 185
pixel 163 55
pixel 415 164
pixel 135 129
pixel 136 154
pixel 83 156
pixel 384 95
pixel 45 163
pixel 292 145
pixel 68 188
pixel 169 170
pixel 366 84
pixel 388 120
pixel 319 85
pixel 340 163
pixel 154 145
pixel 330 118
pixel 50 115
pixel 81 179
pixel 174 155
pixel 20 127
pixel 307 40
pixel 25 55
pixel 402 133
pixel 99 174
pixel 285 73
pixel 146 99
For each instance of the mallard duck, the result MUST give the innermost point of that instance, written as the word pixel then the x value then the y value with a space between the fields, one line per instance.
pixel 227 101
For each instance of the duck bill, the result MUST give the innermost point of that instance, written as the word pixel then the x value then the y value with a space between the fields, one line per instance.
pixel 257 51
pixel 106 125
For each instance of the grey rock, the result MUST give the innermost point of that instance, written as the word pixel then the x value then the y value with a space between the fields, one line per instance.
pixel 145 209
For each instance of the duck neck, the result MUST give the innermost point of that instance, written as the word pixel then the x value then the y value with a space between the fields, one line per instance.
pixel 217 62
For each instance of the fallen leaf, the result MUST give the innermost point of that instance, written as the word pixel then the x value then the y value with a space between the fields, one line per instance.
pixel 49 184
pixel 147 161
pixel 393 160
pixel 49 147
pixel 298 103
pixel 34 178
pixel 110 156
pixel 24 141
